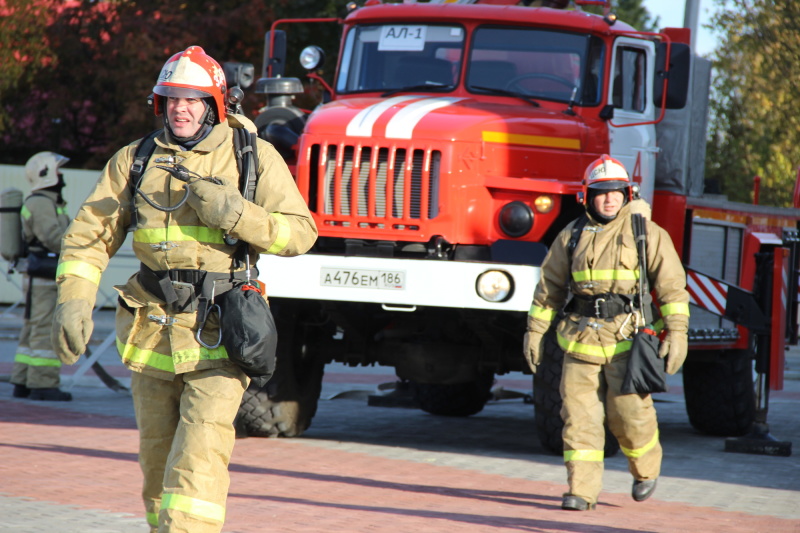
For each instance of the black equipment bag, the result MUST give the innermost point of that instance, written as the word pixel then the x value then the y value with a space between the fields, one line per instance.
pixel 248 330
pixel 646 371
pixel 42 265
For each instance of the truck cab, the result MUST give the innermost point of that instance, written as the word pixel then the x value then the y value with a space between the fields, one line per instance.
pixel 447 155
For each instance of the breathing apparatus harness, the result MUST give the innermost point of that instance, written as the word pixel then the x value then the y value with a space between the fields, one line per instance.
pixel 179 287
pixel 609 305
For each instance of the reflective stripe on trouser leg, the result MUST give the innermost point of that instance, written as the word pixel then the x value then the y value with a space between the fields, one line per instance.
pixel 156 403
pixel 582 388
pixel 196 479
pixel 19 372
pixel 44 367
pixel 632 419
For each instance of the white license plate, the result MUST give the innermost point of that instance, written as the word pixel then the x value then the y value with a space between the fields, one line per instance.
pixel 362 279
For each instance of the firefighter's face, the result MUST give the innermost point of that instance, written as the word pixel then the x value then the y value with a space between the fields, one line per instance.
pixel 608 203
pixel 185 115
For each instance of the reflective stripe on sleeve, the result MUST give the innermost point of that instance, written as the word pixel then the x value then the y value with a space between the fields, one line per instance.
pixel 179 233
pixel 284 233
pixel 25 212
pixel 80 269
pixel 603 352
pixel 602 275
pixel 638 452
pixel 544 314
pixel 193 506
pixel 675 309
pixel 583 455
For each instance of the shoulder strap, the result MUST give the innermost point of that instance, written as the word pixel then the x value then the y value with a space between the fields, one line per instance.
pixel 246 149
pixel 640 238
pixel 144 150
pixel 576 236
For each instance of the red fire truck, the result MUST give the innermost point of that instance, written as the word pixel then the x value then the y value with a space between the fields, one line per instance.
pixel 444 158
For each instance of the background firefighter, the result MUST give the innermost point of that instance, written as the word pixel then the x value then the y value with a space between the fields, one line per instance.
pixel 186 391
pixel 602 276
pixel 37 369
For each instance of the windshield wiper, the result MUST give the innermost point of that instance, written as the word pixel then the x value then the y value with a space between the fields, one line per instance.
pixel 503 92
pixel 432 87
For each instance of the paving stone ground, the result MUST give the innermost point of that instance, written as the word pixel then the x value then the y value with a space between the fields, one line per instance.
pixel 72 467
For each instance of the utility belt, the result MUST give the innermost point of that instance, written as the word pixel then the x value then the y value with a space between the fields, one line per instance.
pixel 603 305
pixel 184 289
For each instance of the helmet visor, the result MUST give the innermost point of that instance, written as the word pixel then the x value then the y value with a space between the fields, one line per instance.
pixel 609 185
pixel 179 92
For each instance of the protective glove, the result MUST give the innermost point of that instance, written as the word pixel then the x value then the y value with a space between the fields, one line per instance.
pixel 533 348
pixel 72 329
pixel 533 342
pixel 218 206
pixel 674 347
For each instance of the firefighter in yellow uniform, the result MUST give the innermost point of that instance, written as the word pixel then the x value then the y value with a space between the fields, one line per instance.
pixel 595 334
pixel 186 393
pixel 37 369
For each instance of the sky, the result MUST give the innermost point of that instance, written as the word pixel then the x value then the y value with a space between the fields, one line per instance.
pixel 671 12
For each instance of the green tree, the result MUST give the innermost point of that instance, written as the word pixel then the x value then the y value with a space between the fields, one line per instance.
pixel 632 12
pixel 753 118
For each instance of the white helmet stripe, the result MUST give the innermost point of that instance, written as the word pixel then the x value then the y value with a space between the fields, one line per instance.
pixel 185 72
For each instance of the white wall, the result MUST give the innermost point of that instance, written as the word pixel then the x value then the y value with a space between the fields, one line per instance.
pixel 79 184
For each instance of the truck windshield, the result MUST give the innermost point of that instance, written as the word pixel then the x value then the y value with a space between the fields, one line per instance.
pixel 536 63
pixel 397 57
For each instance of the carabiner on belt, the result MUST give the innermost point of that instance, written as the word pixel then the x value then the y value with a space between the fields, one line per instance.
pixel 211 308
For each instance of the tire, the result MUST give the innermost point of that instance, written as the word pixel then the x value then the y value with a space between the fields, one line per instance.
pixel 288 403
pixel 458 399
pixel 547 400
pixel 720 394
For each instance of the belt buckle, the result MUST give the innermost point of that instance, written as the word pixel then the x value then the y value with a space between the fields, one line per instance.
pixel 597 303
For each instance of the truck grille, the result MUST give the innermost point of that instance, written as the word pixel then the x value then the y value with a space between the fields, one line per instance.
pixel 371 186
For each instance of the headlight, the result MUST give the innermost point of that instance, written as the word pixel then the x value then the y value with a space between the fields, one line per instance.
pixel 494 286
pixel 516 219
pixel 543 204
pixel 312 57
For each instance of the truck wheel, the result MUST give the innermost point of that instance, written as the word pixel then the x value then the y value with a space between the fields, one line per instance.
pixel 547 400
pixel 286 405
pixel 457 399
pixel 720 394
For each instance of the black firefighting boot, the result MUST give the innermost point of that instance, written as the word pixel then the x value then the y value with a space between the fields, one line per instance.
pixel 643 489
pixel 21 391
pixel 576 503
pixel 50 395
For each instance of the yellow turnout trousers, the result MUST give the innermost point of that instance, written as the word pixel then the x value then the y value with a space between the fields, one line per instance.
pixel 585 388
pixel 186 438
pixel 36 365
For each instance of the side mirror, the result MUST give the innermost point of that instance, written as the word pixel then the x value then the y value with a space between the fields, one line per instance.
pixel 275 55
pixel 680 63
pixel 241 74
